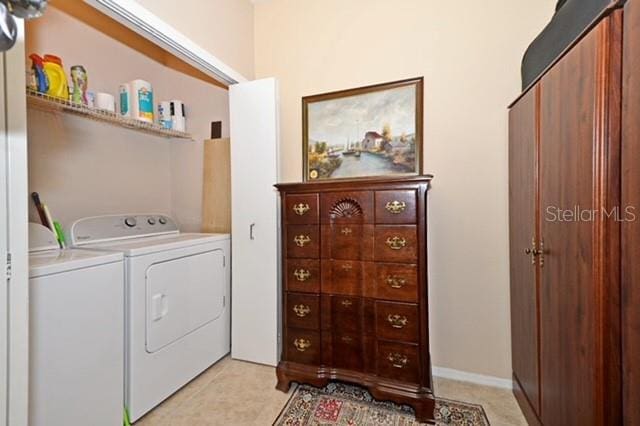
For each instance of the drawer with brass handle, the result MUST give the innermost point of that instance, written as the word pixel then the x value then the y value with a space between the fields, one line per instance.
pixel 398 361
pixel 396 207
pixel 301 209
pixel 396 243
pixel 303 311
pixel 346 266
pixel 352 242
pixel 348 351
pixel 302 346
pixel 397 321
pixel 346 231
pixel 396 282
pixel 393 281
pixel 342 277
pixel 346 313
pixel 303 241
pixel 302 275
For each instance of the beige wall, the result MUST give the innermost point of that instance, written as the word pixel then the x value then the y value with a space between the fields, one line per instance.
pixel 83 168
pixel 469 53
pixel 222 27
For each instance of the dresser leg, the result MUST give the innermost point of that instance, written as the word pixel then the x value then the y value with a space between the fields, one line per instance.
pixel 425 411
pixel 284 383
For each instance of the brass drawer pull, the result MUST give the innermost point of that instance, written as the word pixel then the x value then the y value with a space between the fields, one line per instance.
pixel 346 303
pixel 302 310
pixel 302 274
pixel 301 209
pixel 396 282
pixel 398 360
pixel 396 207
pixel 396 243
pixel 302 344
pixel 347 266
pixel 397 321
pixel 346 231
pixel 346 339
pixel 302 240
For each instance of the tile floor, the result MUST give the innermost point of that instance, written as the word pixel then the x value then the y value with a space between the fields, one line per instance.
pixel 234 393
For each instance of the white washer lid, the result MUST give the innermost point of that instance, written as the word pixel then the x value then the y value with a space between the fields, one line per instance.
pixel 41 238
pixel 56 261
pixel 147 245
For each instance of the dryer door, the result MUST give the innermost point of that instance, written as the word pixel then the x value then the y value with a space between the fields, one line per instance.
pixel 183 295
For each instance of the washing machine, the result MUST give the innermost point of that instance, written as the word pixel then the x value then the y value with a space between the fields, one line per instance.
pixel 76 334
pixel 177 300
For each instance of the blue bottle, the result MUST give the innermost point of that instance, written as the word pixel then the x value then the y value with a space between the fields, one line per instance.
pixel 37 64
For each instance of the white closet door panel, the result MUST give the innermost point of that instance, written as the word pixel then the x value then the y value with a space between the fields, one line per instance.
pixel 17 202
pixel 255 221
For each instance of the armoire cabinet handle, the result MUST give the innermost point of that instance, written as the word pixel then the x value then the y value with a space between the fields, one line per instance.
pixel 536 252
pixel 251 237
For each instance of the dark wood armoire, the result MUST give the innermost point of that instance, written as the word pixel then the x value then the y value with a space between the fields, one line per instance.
pixel 574 170
pixel 355 288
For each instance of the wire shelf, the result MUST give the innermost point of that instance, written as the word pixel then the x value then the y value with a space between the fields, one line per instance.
pixel 49 103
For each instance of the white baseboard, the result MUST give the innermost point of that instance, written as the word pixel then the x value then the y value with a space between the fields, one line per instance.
pixel 479 379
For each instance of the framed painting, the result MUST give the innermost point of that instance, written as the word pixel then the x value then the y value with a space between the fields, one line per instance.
pixel 372 131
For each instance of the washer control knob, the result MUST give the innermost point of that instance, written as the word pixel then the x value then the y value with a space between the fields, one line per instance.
pixel 162 220
pixel 130 222
pixel 151 221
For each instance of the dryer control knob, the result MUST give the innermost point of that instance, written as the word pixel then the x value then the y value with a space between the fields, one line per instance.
pixel 151 221
pixel 130 222
pixel 162 220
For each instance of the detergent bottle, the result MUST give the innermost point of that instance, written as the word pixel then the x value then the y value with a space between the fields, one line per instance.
pixel 58 86
pixel 37 67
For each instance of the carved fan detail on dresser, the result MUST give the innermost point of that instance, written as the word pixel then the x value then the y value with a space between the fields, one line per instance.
pixel 345 208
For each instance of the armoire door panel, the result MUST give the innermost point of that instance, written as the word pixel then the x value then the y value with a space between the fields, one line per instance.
pixel 575 150
pixel 631 229
pixel 522 230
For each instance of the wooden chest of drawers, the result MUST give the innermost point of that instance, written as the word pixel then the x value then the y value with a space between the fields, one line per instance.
pixel 355 288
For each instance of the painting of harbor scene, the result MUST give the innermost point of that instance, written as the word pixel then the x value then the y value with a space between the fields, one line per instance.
pixel 368 132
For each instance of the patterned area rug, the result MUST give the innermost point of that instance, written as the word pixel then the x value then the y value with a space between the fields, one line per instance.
pixel 345 405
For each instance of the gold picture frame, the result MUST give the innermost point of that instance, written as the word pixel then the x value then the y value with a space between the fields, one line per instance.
pixel 366 132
